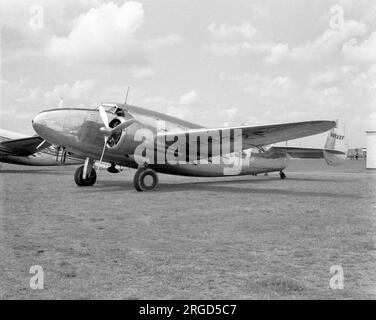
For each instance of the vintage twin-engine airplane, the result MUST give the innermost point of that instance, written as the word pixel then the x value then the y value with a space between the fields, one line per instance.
pixel 17 148
pixel 153 142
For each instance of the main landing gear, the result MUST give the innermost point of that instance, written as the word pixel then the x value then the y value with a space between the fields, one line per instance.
pixel 85 180
pixel 86 176
pixel 282 175
pixel 145 178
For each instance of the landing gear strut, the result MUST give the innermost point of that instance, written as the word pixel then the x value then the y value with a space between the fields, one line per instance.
pixel 145 179
pixel 61 155
pixel 85 176
pixel 282 175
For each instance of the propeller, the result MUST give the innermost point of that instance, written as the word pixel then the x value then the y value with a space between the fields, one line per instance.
pixel 108 131
pixel 104 117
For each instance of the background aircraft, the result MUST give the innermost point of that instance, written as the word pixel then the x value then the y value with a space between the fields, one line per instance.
pixel 111 133
pixel 18 148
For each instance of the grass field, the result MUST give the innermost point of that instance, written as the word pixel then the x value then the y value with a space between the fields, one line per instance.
pixel 194 238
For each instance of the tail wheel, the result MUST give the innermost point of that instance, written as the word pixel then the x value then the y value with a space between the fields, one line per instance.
pixel 145 179
pixel 90 179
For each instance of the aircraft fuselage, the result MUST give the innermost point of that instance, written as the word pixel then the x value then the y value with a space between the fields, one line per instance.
pixel 78 130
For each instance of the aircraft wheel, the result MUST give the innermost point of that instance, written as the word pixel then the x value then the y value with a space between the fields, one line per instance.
pixel 90 179
pixel 282 175
pixel 145 179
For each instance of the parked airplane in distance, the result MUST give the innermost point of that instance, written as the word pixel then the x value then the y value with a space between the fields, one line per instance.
pixel 153 142
pixel 17 148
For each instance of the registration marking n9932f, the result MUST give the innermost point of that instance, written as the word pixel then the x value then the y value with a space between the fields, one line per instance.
pixel 189 309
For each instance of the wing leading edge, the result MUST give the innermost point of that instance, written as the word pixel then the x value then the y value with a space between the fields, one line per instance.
pixel 261 135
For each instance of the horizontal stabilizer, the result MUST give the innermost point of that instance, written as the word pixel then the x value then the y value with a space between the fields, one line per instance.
pixel 333 153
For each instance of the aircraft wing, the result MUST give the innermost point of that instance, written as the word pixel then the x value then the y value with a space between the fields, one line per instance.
pixel 259 135
pixel 23 146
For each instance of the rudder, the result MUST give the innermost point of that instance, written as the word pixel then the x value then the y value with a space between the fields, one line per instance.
pixel 335 146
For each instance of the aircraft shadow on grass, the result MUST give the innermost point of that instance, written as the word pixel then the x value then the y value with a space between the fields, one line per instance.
pixel 220 186
pixel 43 171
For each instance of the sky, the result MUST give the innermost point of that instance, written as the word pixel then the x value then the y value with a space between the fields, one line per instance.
pixel 213 62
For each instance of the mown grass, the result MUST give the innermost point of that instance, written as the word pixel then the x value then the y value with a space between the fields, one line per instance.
pixel 236 238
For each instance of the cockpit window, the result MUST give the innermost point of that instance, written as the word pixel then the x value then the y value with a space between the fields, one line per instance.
pixel 113 108
pixel 117 110
pixel 109 108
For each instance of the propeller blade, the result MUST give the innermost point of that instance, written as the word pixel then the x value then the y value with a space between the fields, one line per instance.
pixel 122 126
pixel 104 149
pixel 104 117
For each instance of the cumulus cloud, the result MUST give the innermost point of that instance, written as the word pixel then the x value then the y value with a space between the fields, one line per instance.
pixel 79 93
pixel 103 34
pixel 361 52
pixel 183 107
pixel 231 40
pixel 324 78
pixel 188 98
pixel 277 53
pixel 326 46
pixel 230 113
pixel 141 72
pixel 337 92
pixel 164 41
pixel 224 30
pixel 189 107
pixel 260 84
pixel 107 34
pixel 18 14
pixel 236 48
pixel 22 101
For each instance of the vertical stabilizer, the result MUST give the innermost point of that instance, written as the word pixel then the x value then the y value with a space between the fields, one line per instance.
pixel 335 147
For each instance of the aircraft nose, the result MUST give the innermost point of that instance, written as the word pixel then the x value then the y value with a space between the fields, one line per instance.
pixel 37 123
pixel 48 125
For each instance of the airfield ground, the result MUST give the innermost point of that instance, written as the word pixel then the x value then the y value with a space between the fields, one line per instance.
pixel 233 238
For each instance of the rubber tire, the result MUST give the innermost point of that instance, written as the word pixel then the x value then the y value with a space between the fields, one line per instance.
pixel 89 181
pixel 282 175
pixel 139 177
